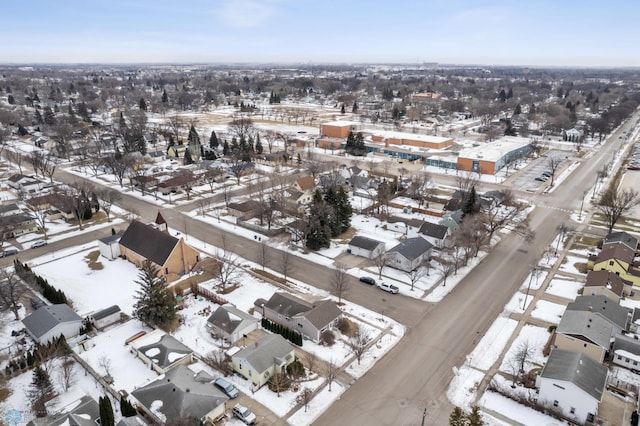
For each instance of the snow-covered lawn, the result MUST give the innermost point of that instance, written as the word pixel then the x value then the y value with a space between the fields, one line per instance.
pixel 519 413
pixel 91 290
pixel 569 263
pixel 317 405
pixel 518 303
pixel 488 350
pixel 534 338
pixel 564 288
pixel 464 386
pixel 548 311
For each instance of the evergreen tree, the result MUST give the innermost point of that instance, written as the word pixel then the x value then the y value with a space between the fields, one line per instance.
pixel 342 110
pixel 351 143
pixel 471 203
pixel 475 419
pixel 355 108
pixel 11 100
pixel 194 142
pixel 165 97
pixel 40 390
pixel 155 304
pixel 225 148
pixel 502 95
pixel 106 411
pixel 49 117
pixel 187 157
pixel 39 118
pixel 142 104
pixel 359 144
pixel 457 417
pixel 83 111
pixel 213 140
pixel 518 110
pixel 259 147
pixel 510 93
pixel 299 159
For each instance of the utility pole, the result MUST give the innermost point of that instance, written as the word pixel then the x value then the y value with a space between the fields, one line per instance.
pixel 424 416
pixel 534 270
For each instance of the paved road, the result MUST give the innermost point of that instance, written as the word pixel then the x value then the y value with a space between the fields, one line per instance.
pixel 416 373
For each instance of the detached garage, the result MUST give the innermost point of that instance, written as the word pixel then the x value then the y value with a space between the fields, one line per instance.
pixel 110 246
pixel 365 247
pixel 49 322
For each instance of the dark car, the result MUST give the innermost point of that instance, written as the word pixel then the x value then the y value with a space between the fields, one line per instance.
pixel 540 179
pixel 368 280
pixel 9 252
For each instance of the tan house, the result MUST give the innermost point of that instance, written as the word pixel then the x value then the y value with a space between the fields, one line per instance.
pixel 171 255
pixel 606 283
pixel 619 259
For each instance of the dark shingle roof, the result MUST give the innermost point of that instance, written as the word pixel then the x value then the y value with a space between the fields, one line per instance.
pixel 323 313
pixel 434 230
pixel 85 412
pixel 111 238
pixel 588 325
pixel 364 242
pixel 106 312
pixel 181 394
pixel 287 305
pixel 148 242
pixel 626 343
pixel 265 352
pixel 412 248
pixel 616 251
pixel 606 279
pixel 47 317
pixel 622 237
pixel 577 368
pixel 229 318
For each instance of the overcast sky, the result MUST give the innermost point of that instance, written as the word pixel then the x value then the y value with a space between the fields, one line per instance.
pixel 491 32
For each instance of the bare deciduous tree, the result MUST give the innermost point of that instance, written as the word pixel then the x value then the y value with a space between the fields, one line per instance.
pixel 339 282
pixel 416 274
pixel 616 202
pixel 219 361
pixel 227 262
pixel 12 289
pixel 445 267
pixel 380 261
pixel 263 254
pixel 286 263
pixel 66 372
pixel 553 163
pixel 358 343
pixel 106 364
pixel 332 372
pixel 280 382
pixel 107 198
pixel 304 397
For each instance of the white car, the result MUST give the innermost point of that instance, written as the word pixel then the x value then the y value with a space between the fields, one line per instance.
pixel 244 414
pixel 388 287
pixel 40 243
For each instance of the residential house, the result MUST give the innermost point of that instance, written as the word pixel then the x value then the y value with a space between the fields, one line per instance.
pixel 269 355
pixel 452 220
pixel 619 259
pixel 409 226
pixel 109 246
pixel 305 184
pixel 435 233
pixel 409 254
pixel 365 247
pixel 51 321
pixel 171 255
pixel 176 151
pixel 621 238
pixel 83 412
pixel 309 319
pixel 24 184
pixel 9 209
pixel 601 305
pixel 626 352
pixel 178 182
pixel 634 324
pixel 161 352
pixel 585 332
pixel 14 225
pixel 106 317
pixel 155 156
pixel 244 210
pixel 573 384
pixel 182 393
pixel 606 283
pixel 230 323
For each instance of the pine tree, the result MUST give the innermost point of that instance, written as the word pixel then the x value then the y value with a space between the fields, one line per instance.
pixel 213 140
pixel 502 95
pixel 165 97
pixel 187 157
pixel 40 391
pixel 225 148
pixel 510 93
pixel 342 110
pixel 39 118
pixel 518 110
pixel 355 108
pixel 457 417
pixel 143 104
pixel 259 147
pixel 471 203
pixel 106 411
pixel 155 304
pixel 11 100
pixel 475 419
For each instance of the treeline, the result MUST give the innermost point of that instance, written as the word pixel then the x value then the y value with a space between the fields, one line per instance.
pixel 49 292
pixel 289 334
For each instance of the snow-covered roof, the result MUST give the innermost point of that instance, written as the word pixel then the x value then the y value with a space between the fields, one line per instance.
pixel 494 151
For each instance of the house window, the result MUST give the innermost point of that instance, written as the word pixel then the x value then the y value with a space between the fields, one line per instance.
pixel 555 402
pixel 635 362
pixel 627 360
pixel 585 345
pixel 619 357
pixel 611 263
pixel 573 410
pixel 287 318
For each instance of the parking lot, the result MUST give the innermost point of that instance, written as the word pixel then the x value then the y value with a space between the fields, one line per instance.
pixel 526 180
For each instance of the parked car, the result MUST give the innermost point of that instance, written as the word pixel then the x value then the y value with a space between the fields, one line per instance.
pixel 368 280
pixel 547 174
pixel 9 252
pixel 226 387
pixel 388 287
pixel 244 414
pixel 40 243
pixel 540 179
